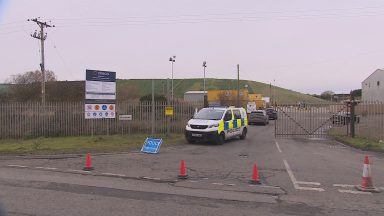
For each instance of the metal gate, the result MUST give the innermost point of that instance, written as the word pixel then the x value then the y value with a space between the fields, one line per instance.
pixel 310 120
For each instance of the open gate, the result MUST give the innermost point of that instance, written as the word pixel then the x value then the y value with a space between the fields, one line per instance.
pixel 310 120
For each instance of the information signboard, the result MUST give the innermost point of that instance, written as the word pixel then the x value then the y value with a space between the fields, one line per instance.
pixel 99 111
pixel 100 85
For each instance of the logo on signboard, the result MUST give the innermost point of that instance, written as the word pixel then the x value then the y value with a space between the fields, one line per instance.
pixel 106 114
pixel 104 107
pixel 94 114
pixel 111 107
pixel 97 107
pixel 89 107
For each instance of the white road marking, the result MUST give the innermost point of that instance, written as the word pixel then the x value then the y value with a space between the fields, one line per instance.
pixel 295 182
pixel 46 168
pixel 278 147
pixel 19 166
pixel 113 174
pixel 310 189
pixel 343 185
pixel 217 183
pixel 290 173
pixel 308 183
pixel 354 192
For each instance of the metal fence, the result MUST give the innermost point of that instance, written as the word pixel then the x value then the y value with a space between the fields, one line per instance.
pixel 319 120
pixel 309 121
pixel 371 120
pixel 31 119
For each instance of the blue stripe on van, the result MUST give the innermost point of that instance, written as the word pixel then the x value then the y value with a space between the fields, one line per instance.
pixel 226 125
pixel 235 123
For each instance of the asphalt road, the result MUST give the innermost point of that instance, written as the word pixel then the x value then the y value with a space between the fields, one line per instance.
pixel 299 177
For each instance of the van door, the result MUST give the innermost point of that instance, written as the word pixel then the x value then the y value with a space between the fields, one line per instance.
pixel 237 123
pixel 228 124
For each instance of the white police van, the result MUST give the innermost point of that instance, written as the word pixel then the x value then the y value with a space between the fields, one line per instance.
pixel 217 124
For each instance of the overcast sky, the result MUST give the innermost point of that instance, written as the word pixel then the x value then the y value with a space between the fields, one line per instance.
pixel 306 45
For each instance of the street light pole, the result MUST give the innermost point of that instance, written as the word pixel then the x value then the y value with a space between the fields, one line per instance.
pixel 205 94
pixel 172 60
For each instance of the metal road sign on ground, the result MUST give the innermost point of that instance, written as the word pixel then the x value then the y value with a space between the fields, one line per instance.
pixel 151 145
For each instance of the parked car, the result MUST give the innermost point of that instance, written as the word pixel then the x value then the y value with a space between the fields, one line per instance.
pixel 272 113
pixel 343 118
pixel 258 117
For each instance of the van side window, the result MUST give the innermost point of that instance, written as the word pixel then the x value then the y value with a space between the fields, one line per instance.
pixel 228 115
pixel 237 114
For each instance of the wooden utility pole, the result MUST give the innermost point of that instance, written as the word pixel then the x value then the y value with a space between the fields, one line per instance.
pixel 238 85
pixel 41 36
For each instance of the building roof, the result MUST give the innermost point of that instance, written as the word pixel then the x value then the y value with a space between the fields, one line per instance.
pixel 378 70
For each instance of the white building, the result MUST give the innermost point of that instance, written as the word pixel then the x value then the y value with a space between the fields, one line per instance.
pixel 373 87
pixel 194 96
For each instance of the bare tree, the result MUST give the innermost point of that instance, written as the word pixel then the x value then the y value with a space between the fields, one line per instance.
pixel 26 86
pixel 327 95
pixel 32 77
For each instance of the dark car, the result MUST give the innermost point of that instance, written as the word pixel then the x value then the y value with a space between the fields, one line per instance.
pixel 258 117
pixel 343 118
pixel 272 113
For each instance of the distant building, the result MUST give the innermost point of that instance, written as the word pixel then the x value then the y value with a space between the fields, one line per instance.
pixel 194 96
pixel 373 87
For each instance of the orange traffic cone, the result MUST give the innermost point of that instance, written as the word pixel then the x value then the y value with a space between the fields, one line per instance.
pixel 255 175
pixel 183 171
pixel 88 163
pixel 366 183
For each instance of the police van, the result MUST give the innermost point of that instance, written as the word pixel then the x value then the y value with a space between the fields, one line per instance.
pixel 217 124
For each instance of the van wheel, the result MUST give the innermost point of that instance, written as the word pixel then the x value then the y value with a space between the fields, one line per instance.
pixel 220 139
pixel 244 134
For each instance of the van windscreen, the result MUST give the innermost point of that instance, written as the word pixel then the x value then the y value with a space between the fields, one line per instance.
pixel 209 114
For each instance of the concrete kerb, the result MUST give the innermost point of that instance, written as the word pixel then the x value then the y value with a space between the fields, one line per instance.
pixel 93 173
pixel 61 156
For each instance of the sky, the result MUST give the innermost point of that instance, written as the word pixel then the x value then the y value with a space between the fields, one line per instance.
pixel 308 46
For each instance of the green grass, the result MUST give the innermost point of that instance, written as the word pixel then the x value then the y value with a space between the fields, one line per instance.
pixel 81 144
pixel 360 143
pixel 183 85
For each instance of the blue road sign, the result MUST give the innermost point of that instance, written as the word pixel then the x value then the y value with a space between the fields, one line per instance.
pixel 151 145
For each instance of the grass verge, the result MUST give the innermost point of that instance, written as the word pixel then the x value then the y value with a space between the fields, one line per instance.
pixel 81 144
pixel 360 143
